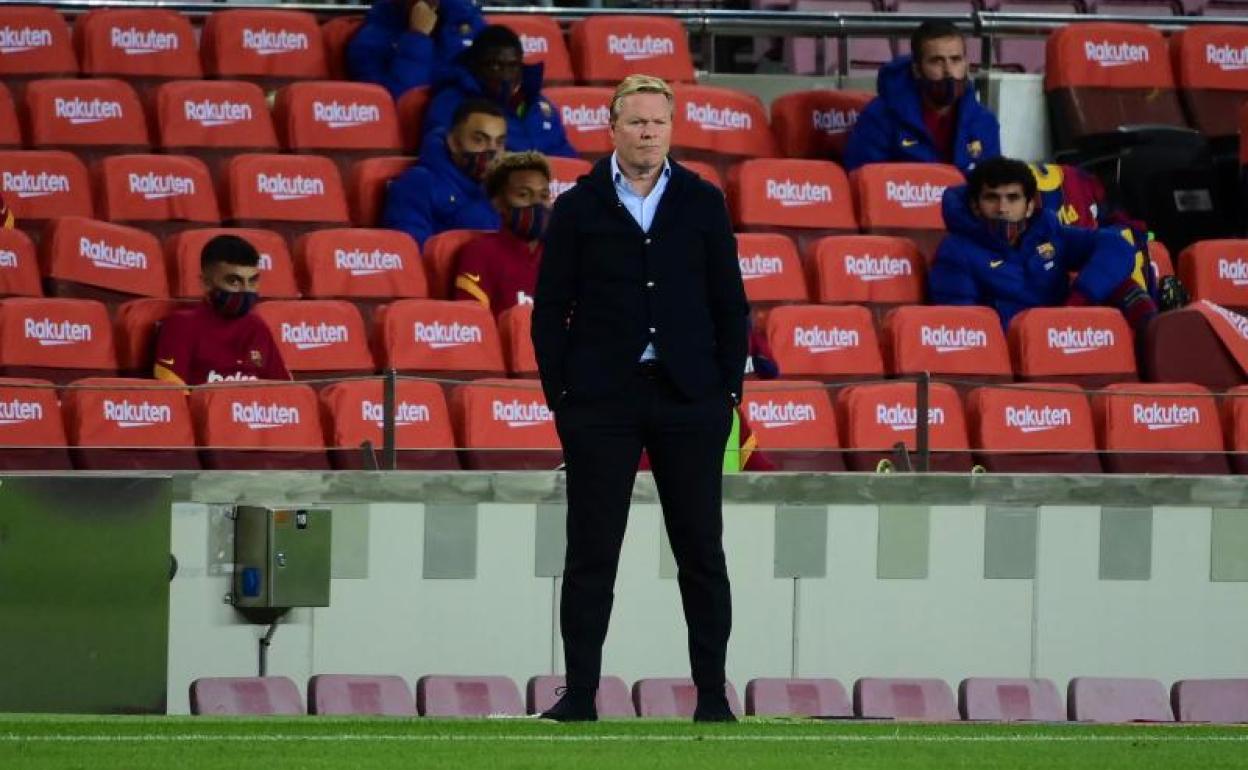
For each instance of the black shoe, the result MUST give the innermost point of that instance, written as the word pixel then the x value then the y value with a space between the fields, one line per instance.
pixel 713 707
pixel 576 704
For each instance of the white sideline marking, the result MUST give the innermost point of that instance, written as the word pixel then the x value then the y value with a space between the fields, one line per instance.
pixel 402 738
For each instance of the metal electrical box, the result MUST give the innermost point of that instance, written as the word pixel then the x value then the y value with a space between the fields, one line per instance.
pixel 281 557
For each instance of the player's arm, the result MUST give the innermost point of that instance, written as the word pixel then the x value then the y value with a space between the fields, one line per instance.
pixel 175 346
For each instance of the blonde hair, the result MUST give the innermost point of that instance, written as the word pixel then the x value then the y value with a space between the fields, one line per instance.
pixel 510 162
pixel 639 84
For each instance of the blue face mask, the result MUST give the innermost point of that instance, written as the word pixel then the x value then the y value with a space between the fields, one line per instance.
pixel 1009 231
pixel 527 223
pixel 943 92
pixel 232 304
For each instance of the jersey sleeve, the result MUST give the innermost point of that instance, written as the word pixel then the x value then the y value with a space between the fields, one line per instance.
pixel 473 279
pixel 175 345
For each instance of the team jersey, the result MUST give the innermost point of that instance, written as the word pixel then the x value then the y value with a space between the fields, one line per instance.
pixel 498 270
pixel 6 216
pixel 197 346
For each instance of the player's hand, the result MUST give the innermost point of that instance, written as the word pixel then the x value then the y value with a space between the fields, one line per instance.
pixel 423 17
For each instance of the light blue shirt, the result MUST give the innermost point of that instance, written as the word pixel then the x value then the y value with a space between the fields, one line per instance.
pixel 641 209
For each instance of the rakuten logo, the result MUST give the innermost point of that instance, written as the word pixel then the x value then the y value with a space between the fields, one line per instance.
pixel 109 257
pixel 339 115
pixel 16 412
pixel 712 118
pixel 405 413
pixel 23 39
pixel 438 335
pixel 306 336
pixel 153 186
pixel 633 48
pixel 1226 58
pixel 789 193
pixel 24 184
pixel 534 46
pixel 1236 272
pixel 137 42
pixel 210 114
pixel 833 121
pixel 280 187
pixel 359 262
pixel 518 414
pixel 868 268
pixel 266 42
pixel 901 418
pixel 779 415
pixel 585 119
pixel 914 196
pixel 1072 341
pixel 1029 419
pixel 1107 54
pixel 257 416
pixel 759 266
pixel 8 259
pixel 952 340
pixel 49 333
pixel 818 340
pixel 143 414
pixel 1237 321
pixel 1156 416
pixel 79 111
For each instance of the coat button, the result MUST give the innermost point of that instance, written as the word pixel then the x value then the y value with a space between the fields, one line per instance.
pixel 649 284
pixel 652 330
pixel 647 241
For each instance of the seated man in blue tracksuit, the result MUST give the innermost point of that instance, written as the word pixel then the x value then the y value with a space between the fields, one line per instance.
pixel 492 68
pixel 445 190
pixel 409 43
pixel 925 110
pixel 1007 252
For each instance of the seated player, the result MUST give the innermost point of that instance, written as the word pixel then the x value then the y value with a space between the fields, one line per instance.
pixel 220 339
pixel 406 44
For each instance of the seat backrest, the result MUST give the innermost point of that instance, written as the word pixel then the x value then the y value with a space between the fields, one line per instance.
pixel 1051 417
pixel 606 49
pixel 40 42
pixel 440 255
pixel 1051 342
pixel 277 271
pixel 514 325
pixel 1008 700
pixel 495 413
pixel 1234 410
pixel 56 334
pixel 797 698
pixel 816 124
pixel 1217 270
pixel 261 43
pixel 1152 416
pixel 367 182
pixel 19 268
pixel 245 695
pixel 213 113
pixel 44 184
pixel 1211 70
pixel 826 341
pixel 542 41
pixel 467 696
pixel 347 695
pixel 84 113
pixel 586 116
pixel 355 262
pixel 318 335
pixel 807 194
pixel 668 698
pixel 284 188
pixel 564 172
pixel 117 412
pixel 29 414
pixel 880 415
pixel 257 417
pixel 902 196
pixel 910 699
pixel 137 43
pixel 770 268
pixel 113 257
pixel 411 110
pixel 1159 255
pixel 336 34
pixel 353 412
pixel 154 189
pixel 612 699
pixel 427 335
pixel 326 115
pixel 790 415
pixel 1105 699
pixel 10 127
pixel 723 121
pixel 1221 701
pixel 949 340
pixel 135 325
pixel 867 268
pixel 705 170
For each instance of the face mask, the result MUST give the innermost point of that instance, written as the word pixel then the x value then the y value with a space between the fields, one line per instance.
pixel 943 92
pixel 475 164
pixel 1007 230
pixel 527 222
pixel 232 304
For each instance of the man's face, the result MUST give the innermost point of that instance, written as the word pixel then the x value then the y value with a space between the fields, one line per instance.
pixel 478 133
pixel 524 189
pixel 227 277
pixel 642 130
pixel 499 65
pixel 1007 202
pixel 943 57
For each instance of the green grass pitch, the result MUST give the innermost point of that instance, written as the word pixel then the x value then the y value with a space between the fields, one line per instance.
pixel 189 743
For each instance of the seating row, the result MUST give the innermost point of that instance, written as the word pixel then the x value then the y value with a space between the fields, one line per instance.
pixel 1089 699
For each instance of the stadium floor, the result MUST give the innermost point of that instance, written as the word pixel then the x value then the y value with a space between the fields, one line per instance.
pixel 135 743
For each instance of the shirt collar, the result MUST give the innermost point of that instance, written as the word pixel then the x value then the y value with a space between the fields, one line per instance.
pixel 618 176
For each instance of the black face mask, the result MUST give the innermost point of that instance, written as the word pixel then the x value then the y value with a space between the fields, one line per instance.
pixel 943 92
pixel 476 164
pixel 232 304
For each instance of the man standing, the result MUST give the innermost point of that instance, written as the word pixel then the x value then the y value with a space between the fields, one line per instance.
pixel 640 329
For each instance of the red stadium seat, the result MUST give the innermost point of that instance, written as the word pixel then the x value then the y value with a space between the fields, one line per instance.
pixel 1159 256
pixel 43 185
pixel 1212 77
pixel 816 124
pixel 441 254
pixel 1201 343
pixel 91 259
pixel 928 700
pixel 793 425
pixel 141 44
pixel 1219 701
pixel 904 199
pixel 318 338
pixel 564 172
pixel 1217 270
pixel 346 121
pixel 606 49
pixel 259 425
pixel 467 696
pixel 162 194
pixel 94 118
pixel 797 698
pixel 345 695
pixel 673 698
pixel 706 171
pixel 1046 428
pixel 55 339
pixel 245 695
pixel 336 34
pixel 612 698
pixel 586 115
pixel 807 199
pixel 825 342
pixel 542 40
pixel 367 182
pixel 421 336
pixel 269 47
pixel 1010 700
pixel 771 269
pixel 10 128
pixel 19 268
pixel 879 271
pixel 353 413
pixel 504 425
pixel 134 328
pixel 213 119
pixel 40 45
pixel 1088 346
pixel 291 194
pixel 963 343
pixel 720 126
pixel 128 424
pixel 514 325
pixel 1092 699
pixel 32 434
pixel 872 419
pixel 411 110
pixel 352 263
pixel 1235 426
pixel 277 270
pixel 1159 428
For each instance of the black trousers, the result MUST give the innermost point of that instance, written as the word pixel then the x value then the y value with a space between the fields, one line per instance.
pixel 602 444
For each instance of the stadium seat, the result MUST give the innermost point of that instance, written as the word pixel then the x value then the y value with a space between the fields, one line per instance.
pixel 1212 82
pixel 606 49
pixel 32 434
pixel 564 172
pixel 1217 270
pixel 347 695
pixel 954 343
pixel 90 259
pixel 831 343
pixel 268 47
pixel 467 696
pixel 873 419
pixel 720 125
pixel 866 54
pixel 879 271
pixel 134 328
pixel 1088 346
pixel 291 194
pixel 586 115
pixel 1234 409
pixel 673 698
pixel 411 110
pixel 1159 256
pixel 1185 346
pixel 514 326
pixel 1220 701
pixel 770 269
pixel 19 268
pixel 441 254
pixel 1043 428
pixel 504 425
pixel 277 270
pixel 318 338
pixel 793 426
pixel 162 194
pixel 43 185
pixel 1092 699
pixel 55 339
pixel 705 170
pixel 10 128
pixel 927 700
pixel 336 33
pixel 359 264
pixel 904 199
pixel 346 121
pixel 816 124
pixel 128 424
pixel 805 199
pixel 353 412
pixel 213 120
pixel 796 698
pixel 367 182
pixel 245 696
pixel 1159 428
pixel 42 46
pixel 92 118
pixel 542 40
pixel 428 336
pixel 1010 700
pixel 143 45
pixel 612 699
pixel 258 426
